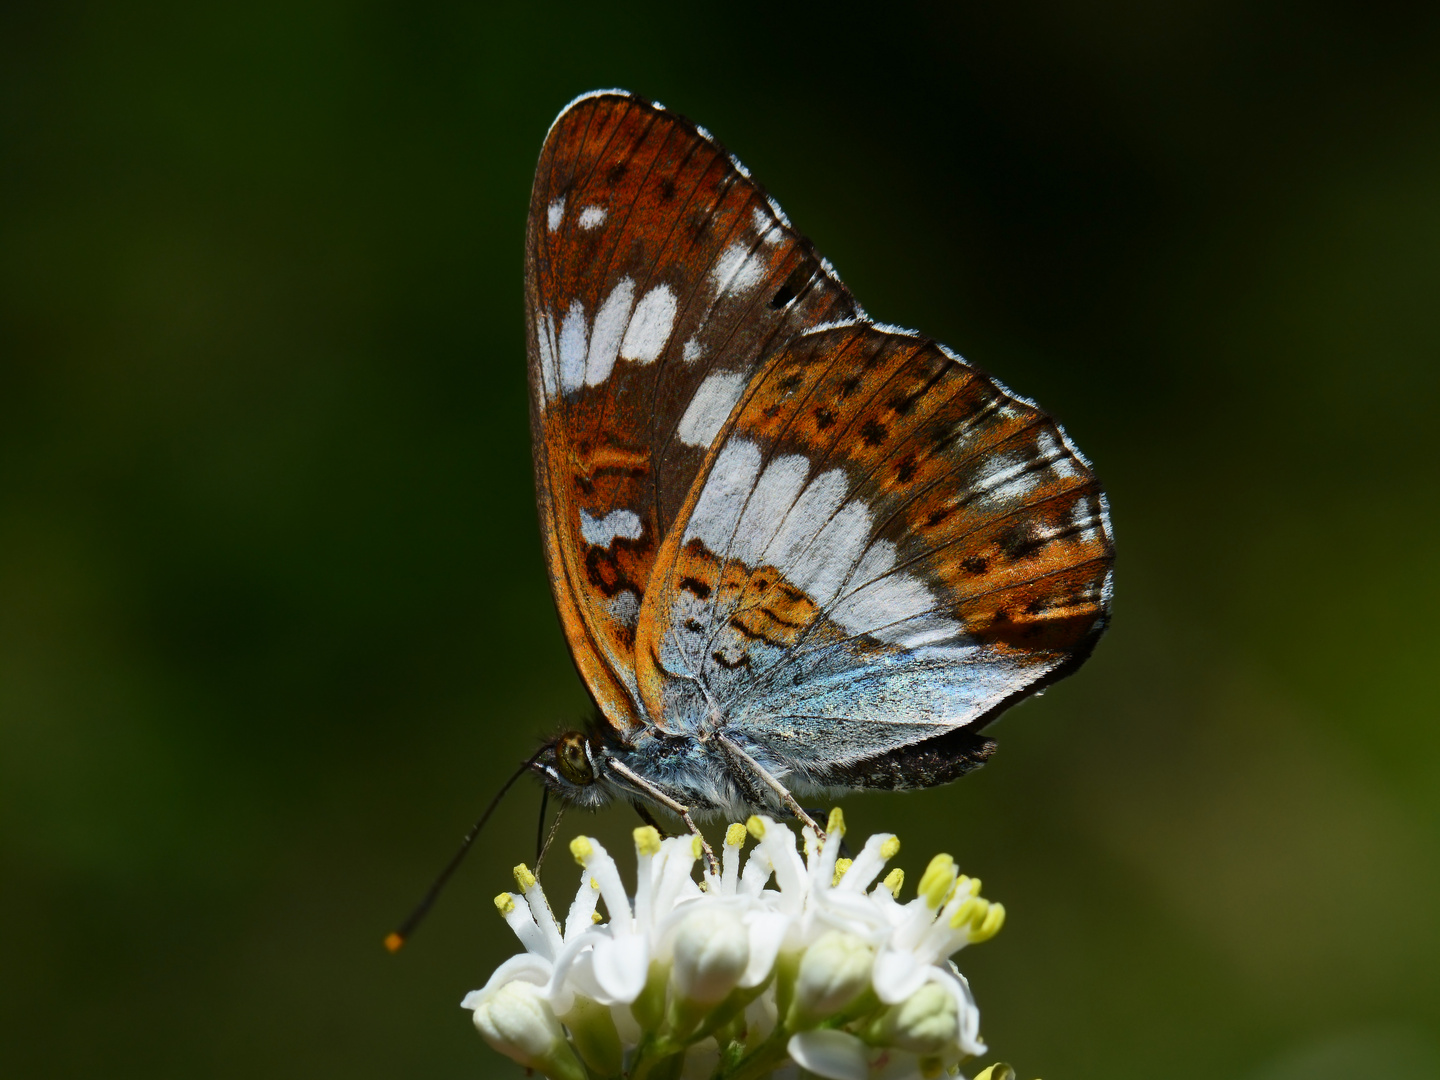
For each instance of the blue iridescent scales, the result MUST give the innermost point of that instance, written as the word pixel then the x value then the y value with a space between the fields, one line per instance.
pixel 791 549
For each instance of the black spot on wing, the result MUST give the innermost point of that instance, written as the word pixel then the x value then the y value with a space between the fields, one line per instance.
pixel 696 586
pixel 795 283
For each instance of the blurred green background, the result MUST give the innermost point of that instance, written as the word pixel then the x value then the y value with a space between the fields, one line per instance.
pixel 273 620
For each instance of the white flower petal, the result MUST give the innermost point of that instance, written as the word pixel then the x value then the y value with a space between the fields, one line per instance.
pixel 730 860
pixel 574 971
pixel 856 913
pixel 767 934
pixel 672 874
pixel 791 874
pixel 582 910
pixel 621 965
pixel 835 1055
pixel 867 865
pixel 526 967
pixel 965 1002
pixel 601 866
pixel 891 911
pixel 758 869
pixel 521 920
pixel 544 919
pixel 898 974
pixel 822 868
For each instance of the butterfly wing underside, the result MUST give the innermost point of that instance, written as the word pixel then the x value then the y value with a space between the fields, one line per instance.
pixel 885 545
pixel 657 276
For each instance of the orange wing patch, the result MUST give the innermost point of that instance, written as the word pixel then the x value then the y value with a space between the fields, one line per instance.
pixel 771 610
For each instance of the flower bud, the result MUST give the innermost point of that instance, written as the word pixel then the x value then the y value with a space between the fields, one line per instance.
pixel 924 1023
pixel 517 1021
pixel 712 949
pixel 833 972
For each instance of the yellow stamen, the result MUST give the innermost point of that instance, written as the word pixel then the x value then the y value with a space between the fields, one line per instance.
pixel 836 822
pixel 939 876
pixel 582 849
pixel 967 912
pixel 524 878
pixel 504 903
pixel 755 826
pixel 735 835
pixel 890 848
pixel 893 881
pixel 647 840
pixel 696 847
pixel 994 920
pixel 841 865
pixel 596 917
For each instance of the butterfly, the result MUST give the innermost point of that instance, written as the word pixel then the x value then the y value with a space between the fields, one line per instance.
pixel 794 551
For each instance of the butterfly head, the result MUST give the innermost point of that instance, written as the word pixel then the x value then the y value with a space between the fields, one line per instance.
pixel 570 766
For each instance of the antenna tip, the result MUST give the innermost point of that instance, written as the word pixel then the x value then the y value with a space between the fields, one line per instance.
pixel 393 941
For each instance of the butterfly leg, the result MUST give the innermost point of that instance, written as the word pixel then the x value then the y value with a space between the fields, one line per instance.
pixel 817 812
pixel 774 785
pixel 682 811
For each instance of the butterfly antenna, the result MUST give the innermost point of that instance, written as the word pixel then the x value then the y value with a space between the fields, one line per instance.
pixel 397 937
pixel 540 826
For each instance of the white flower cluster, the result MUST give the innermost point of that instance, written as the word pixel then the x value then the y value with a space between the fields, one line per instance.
pixel 736 979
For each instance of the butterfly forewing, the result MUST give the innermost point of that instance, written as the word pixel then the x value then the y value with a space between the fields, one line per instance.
pixel 658 275
pixel 884 544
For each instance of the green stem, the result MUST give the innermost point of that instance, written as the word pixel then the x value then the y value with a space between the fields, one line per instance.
pixel 760 1061
pixel 649 1055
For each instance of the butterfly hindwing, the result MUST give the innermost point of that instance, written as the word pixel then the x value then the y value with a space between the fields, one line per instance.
pixel 658 275
pixel 884 545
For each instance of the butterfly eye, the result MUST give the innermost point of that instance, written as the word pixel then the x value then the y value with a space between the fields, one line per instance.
pixel 570 756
